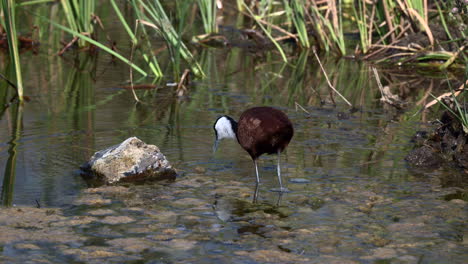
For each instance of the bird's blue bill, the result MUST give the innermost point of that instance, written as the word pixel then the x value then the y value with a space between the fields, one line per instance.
pixel 215 145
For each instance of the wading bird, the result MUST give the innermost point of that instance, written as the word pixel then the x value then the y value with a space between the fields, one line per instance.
pixel 260 130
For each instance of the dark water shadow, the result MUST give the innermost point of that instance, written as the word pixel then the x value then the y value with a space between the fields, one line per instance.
pixel 12 110
pixel 9 177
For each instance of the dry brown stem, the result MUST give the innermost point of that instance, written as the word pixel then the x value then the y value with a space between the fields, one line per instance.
pixel 328 80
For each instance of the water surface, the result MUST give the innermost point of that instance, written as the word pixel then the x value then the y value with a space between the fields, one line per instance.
pixel 353 197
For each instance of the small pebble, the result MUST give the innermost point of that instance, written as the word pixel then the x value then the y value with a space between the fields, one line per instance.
pixel 115 220
pixel 200 169
pixel 299 180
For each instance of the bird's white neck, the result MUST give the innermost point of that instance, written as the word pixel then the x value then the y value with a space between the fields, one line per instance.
pixel 225 127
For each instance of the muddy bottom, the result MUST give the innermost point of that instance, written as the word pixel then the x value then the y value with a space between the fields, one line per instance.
pixel 199 219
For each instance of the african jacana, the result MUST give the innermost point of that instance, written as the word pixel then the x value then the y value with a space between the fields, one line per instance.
pixel 260 130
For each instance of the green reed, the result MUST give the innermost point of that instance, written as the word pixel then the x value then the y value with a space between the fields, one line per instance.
pixel 153 15
pixel 329 27
pixel 267 32
pixel 79 15
pixel 295 10
pixel 9 24
pixel 459 109
pixel 208 13
pixel 363 25
pixel 420 6
pixel 149 57
pixel 445 18
pixel 97 44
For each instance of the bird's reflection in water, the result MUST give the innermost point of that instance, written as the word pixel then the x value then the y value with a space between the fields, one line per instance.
pixel 255 196
pixel 231 209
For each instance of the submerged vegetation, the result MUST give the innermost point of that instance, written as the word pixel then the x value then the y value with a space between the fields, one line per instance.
pixel 417 32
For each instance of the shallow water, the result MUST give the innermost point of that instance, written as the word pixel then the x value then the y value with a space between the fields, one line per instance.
pixel 61 128
pixel 353 198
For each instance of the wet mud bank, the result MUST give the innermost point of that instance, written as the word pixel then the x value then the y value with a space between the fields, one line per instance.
pixel 445 146
pixel 200 219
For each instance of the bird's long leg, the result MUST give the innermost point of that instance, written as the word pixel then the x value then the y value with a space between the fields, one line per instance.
pixel 279 171
pixel 280 195
pixel 255 197
pixel 256 171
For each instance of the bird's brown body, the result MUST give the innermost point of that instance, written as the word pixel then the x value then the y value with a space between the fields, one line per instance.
pixel 263 130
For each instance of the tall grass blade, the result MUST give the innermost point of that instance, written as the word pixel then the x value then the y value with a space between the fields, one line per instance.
pixel 208 14
pixel 329 29
pixel 9 13
pixel 97 44
pixel 420 7
pixel 295 10
pixel 423 24
pixel 442 20
pixel 277 45
pixel 362 24
pixel 158 20
pixel 149 58
pixel 79 14
pixel 34 2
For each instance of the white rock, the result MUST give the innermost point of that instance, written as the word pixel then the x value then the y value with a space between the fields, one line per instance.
pixel 131 160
